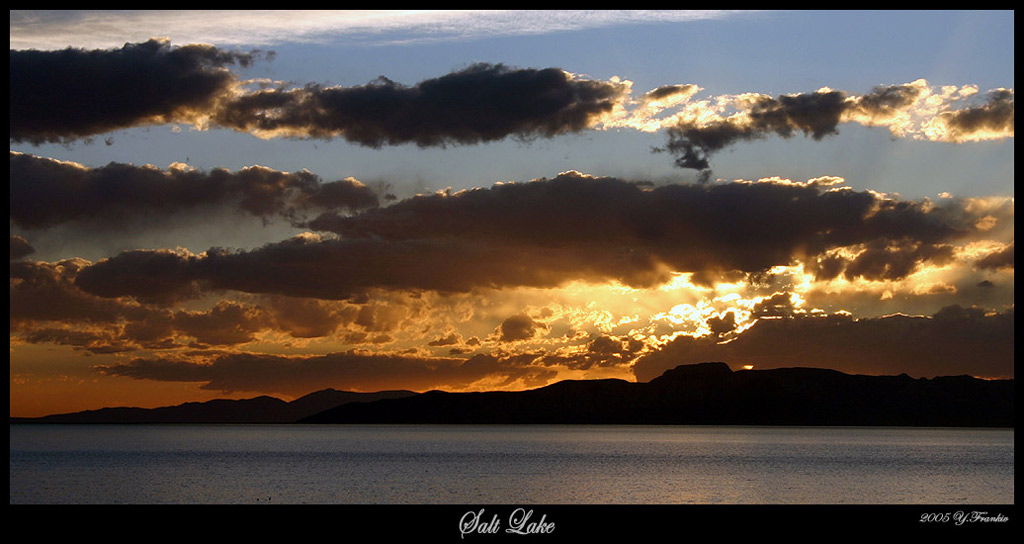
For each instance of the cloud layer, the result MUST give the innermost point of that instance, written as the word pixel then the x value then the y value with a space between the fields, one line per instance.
pixel 482 103
pixel 47 192
pixel 417 273
pixel 46 306
pixel 156 83
pixel 50 29
pixel 574 227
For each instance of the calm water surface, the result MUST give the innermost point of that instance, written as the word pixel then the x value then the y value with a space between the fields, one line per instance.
pixel 546 464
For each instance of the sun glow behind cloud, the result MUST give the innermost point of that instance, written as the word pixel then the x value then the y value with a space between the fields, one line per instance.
pixel 917 110
pixel 503 337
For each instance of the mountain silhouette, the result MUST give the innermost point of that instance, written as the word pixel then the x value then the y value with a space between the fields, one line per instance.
pixel 262 409
pixel 712 394
pixel 697 394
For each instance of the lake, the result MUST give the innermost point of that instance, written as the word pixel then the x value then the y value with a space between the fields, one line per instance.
pixel 515 464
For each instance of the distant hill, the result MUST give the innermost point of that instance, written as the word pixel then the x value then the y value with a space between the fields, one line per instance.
pixel 700 394
pixel 256 410
pixel 712 394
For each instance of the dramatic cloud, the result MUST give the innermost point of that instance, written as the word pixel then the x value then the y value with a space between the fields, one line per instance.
pixel 548 232
pixel 58 96
pixel 482 103
pixel 954 341
pixel 47 192
pixel 907 110
pixel 168 282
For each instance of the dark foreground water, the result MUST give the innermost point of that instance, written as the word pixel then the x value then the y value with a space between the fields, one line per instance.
pixel 485 464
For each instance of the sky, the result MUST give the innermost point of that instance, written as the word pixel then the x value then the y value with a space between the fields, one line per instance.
pixel 231 204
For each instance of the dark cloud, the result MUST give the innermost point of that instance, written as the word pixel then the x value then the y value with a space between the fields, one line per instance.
pixel 884 101
pixel 1002 258
pixel 777 305
pixel 994 116
pixel 47 192
pixel 666 91
pixel 603 351
pixel 449 339
pixel 575 209
pixel 722 325
pixel 518 327
pixel 20 247
pixel 548 232
pixel 482 103
pixel 309 318
pixel 816 115
pixel 154 276
pixel 225 324
pixel 954 341
pixel 59 96
pixel 340 269
pixel 883 260
pixel 45 306
pixel 826 267
pixel 41 291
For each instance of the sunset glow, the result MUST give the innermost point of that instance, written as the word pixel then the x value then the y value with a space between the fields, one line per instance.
pixel 472 201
